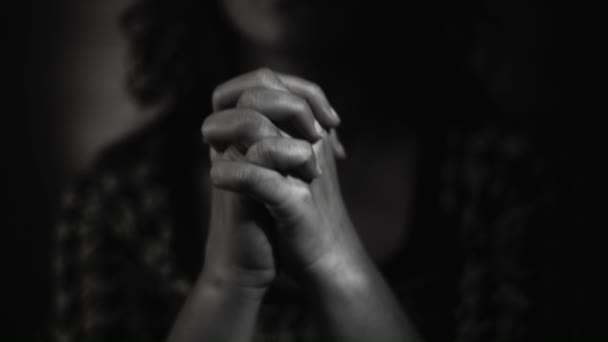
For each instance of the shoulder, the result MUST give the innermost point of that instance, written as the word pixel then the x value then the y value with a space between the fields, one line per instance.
pixel 123 173
pixel 110 241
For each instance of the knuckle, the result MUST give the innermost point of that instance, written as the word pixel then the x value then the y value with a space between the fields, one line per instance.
pixel 268 151
pixel 264 72
pixel 273 183
pixel 208 125
pixel 256 153
pixel 248 98
pixel 213 155
pixel 216 173
pixel 207 122
pixel 232 153
pixel 232 175
pixel 298 149
pixel 316 90
pixel 250 179
pixel 265 149
pixel 216 95
pixel 301 194
pixel 204 130
pixel 253 126
pixel 308 150
pixel 265 76
pixel 300 107
pixel 243 175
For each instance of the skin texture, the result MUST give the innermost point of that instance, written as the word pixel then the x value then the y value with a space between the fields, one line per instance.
pixel 276 201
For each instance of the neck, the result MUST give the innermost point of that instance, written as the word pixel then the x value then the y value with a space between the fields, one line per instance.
pixel 255 56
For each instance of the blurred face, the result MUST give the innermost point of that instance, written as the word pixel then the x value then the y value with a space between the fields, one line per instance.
pixel 279 23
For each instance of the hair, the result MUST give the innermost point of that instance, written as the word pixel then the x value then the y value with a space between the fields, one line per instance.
pixel 487 188
pixel 172 45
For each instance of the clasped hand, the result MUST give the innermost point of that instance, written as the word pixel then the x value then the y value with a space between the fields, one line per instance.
pixel 275 192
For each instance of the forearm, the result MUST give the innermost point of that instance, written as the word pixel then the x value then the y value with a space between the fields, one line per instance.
pixel 217 312
pixel 355 301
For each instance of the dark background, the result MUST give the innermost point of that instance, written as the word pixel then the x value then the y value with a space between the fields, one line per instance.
pixel 65 101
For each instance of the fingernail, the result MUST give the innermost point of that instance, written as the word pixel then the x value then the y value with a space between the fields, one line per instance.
pixel 319 129
pixel 337 144
pixel 319 171
pixel 315 153
pixel 341 150
pixel 334 115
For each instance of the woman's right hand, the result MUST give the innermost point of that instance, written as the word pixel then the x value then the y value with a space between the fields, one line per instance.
pixel 238 252
pixel 277 166
pixel 239 249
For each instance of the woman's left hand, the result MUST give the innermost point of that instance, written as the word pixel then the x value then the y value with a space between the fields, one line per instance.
pixel 291 170
pixel 268 149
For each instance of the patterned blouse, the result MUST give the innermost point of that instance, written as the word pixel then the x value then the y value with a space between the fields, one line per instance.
pixel 130 238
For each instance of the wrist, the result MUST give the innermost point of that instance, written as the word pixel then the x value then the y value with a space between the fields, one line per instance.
pixel 345 267
pixel 245 284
